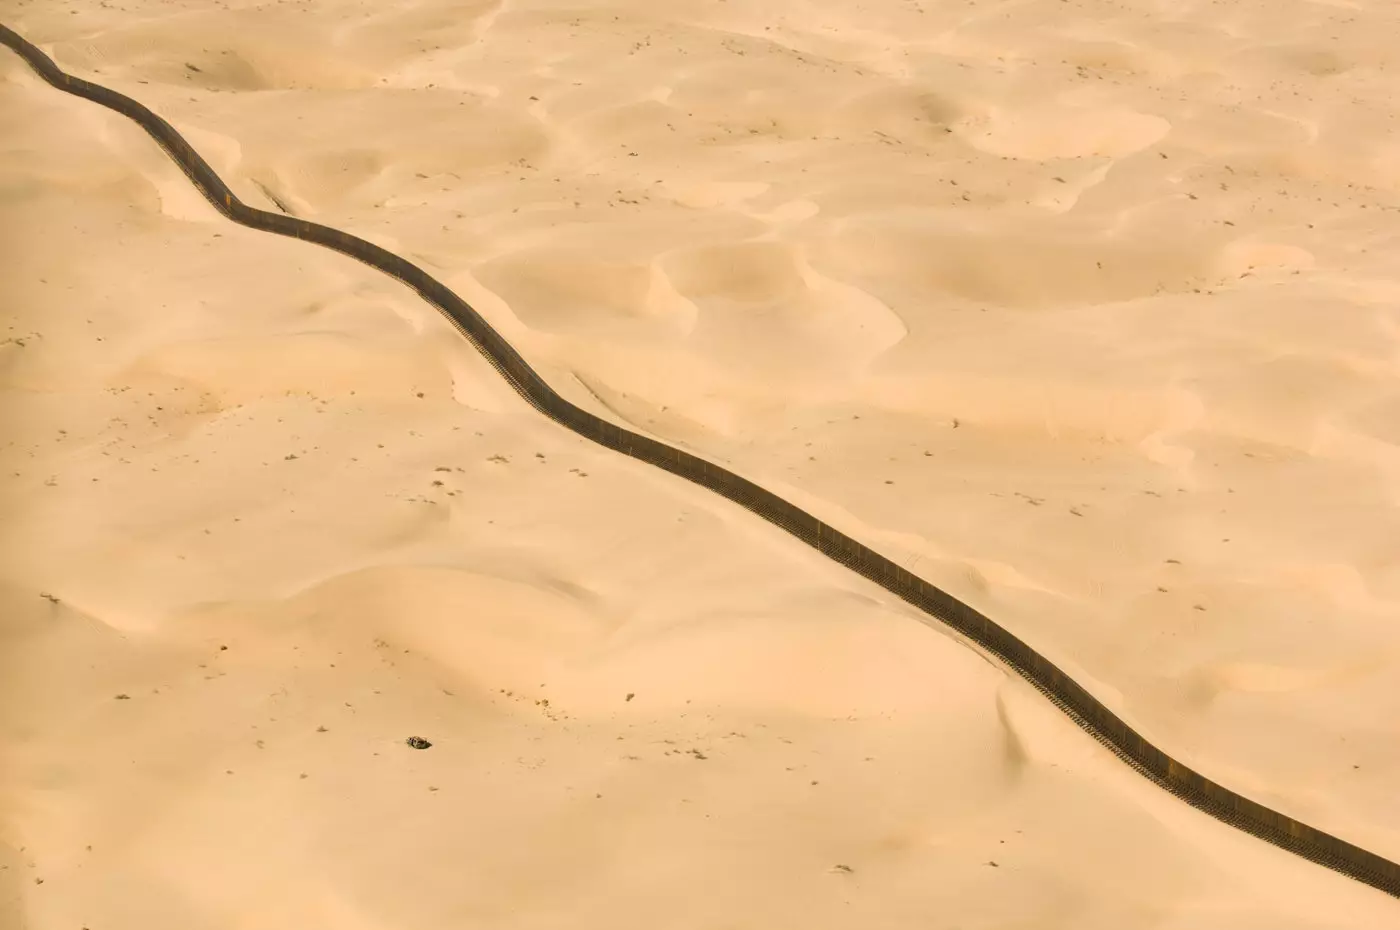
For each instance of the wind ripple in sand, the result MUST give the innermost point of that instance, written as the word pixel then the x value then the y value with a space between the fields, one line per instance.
pixel 768 306
pixel 1049 132
pixel 218 58
pixel 1040 265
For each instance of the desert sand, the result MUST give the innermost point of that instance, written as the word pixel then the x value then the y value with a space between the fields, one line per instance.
pixel 1084 311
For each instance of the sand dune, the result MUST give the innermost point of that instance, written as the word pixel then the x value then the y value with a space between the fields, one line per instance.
pixel 1023 299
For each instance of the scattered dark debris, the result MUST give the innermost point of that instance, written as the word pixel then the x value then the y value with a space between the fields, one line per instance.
pixel 289 458
pixel 418 742
pixel 498 458
pixel 698 754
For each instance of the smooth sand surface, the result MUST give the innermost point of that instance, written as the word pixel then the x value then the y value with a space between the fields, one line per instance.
pixel 1086 313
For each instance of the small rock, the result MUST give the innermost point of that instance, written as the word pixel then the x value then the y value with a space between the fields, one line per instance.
pixel 418 742
pixel 123 697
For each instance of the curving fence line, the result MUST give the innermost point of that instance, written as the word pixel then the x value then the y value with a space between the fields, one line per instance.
pixel 1081 706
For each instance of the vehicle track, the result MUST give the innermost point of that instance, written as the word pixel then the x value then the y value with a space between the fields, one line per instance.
pixel 1077 703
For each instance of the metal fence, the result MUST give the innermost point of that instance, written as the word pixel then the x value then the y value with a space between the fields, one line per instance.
pixel 1081 706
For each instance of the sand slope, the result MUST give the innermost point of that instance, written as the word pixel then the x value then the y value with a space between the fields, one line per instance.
pixel 229 449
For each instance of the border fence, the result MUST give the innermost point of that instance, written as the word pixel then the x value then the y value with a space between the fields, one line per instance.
pixel 1076 702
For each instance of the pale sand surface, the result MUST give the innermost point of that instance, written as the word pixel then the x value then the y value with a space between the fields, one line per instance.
pixel 1142 260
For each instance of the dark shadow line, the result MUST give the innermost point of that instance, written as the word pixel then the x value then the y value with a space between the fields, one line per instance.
pixel 1076 702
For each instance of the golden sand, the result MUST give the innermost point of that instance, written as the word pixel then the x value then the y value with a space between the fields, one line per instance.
pixel 1084 312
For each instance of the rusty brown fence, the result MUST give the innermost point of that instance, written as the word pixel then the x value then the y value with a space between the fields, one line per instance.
pixel 1081 706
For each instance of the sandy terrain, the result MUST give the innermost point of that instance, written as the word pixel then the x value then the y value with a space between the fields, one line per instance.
pixel 1086 313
